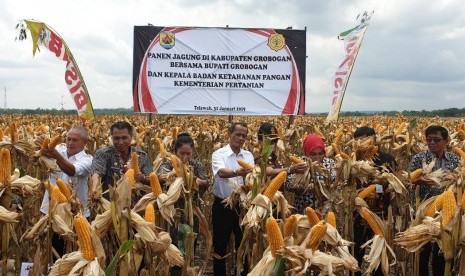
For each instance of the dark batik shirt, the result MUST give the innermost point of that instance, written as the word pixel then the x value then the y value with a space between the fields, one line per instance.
pixel 108 164
pixel 449 162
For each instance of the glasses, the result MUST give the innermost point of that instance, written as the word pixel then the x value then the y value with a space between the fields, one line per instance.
pixel 435 140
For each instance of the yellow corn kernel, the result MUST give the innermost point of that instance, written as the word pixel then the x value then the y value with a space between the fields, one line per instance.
pixel 415 174
pixel 13 133
pixel 155 184
pixel 295 159
pixel 5 169
pixel 459 152
pixel 370 219
pixel 130 175
pixel 274 236
pixel 174 132
pixel 367 191
pixel 317 233
pixel 177 166
pixel 45 143
pixel 82 227
pixel 434 206
pixel 331 219
pixel 290 225
pixel 337 151
pixel 161 146
pixel 448 206
pixel 54 141
pixel 275 184
pixel 280 133
pixel 57 195
pixel 149 215
pixel 312 216
pixel 245 164
pixel 135 162
pixel 64 189
pixel 339 135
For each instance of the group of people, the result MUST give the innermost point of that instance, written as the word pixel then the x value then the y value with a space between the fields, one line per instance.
pixel 91 176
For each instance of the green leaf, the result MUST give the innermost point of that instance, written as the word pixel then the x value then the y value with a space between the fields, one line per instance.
pixel 123 250
pixel 278 269
pixel 183 231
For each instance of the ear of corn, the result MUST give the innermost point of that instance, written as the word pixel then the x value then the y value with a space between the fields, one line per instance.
pixel 370 153
pixel 13 133
pixel 339 135
pixel 290 225
pixel 54 141
pixel 317 233
pixel 275 238
pixel 64 189
pixel 135 162
pixel 399 129
pixel 275 184
pixel 415 174
pixel 176 165
pixel 57 195
pixel 312 216
pixel 280 133
pixel 5 169
pixel 149 215
pixel 337 151
pixel 448 206
pixel 130 175
pixel 372 222
pixel 367 191
pixel 331 219
pixel 436 205
pixel 174 132
pixel 161 147
pixel 45 143
pixel 245 164
pixel 155 184
pixel 461 134
pixel 459 152
pixel 82 227
pixel 295 159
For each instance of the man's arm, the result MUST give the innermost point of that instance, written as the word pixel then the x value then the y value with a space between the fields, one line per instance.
pixel 66 166
pixel 145 169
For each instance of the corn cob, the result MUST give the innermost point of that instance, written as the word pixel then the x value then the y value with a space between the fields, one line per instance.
pixel 45 143
pixel 318 132
pixel 369 217
pixel 66 125
pixel 436 205
pixel 64 189
pixel 448 207
pixel 274 236
pixel 370 153
pixel 339 134
pixel 149 215
pixel 135 162
pixel 82 227
pixel 245 164
pixel 381 130
pixel 130 175
pixel 461 134
pixel 176 165
pixel 331 219
pixel 155 184
pixel 312 216
pixel 161 146
pixel 290 225
pixel 275 184
pixel 399 129
pixel 337 151
pixel 459 152
pixel 5 169
pixel 415 174
pixel 367 191
pixel 318 232
pixel 54 141
pixel 57 195
pixel 1 134
pixel 13 133
pixel 295 159
pixel 174 132
pixel 280 133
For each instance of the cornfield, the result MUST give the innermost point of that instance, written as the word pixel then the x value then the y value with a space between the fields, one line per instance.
pixel 134 239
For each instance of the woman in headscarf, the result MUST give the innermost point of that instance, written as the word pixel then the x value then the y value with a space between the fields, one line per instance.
pixel 314 150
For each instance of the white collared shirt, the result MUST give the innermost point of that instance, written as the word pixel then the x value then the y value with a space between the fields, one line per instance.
pixel 226 158
pixel 82 162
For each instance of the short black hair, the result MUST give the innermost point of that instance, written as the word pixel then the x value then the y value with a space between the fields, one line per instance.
pixel 364 131
pixel 232 127
pixel 267 130
pixel 433 129
pixel 183 138
pixel 121 125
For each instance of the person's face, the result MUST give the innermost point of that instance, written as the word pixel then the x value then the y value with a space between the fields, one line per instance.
pixel 74 142
pixel 317 155
pixel 184 152
pixel 121 139
pixel 237 138
pixel 436 143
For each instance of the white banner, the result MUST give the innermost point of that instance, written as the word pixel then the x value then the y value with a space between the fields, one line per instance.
pixel 352 41
pixel 219 71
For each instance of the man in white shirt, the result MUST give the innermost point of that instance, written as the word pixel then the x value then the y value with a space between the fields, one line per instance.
pixel 227 174
pixel 73 166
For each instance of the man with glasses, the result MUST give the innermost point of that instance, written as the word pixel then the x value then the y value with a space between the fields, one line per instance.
pixel 437 138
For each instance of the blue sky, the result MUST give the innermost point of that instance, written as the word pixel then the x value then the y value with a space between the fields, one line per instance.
pixel 412 57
